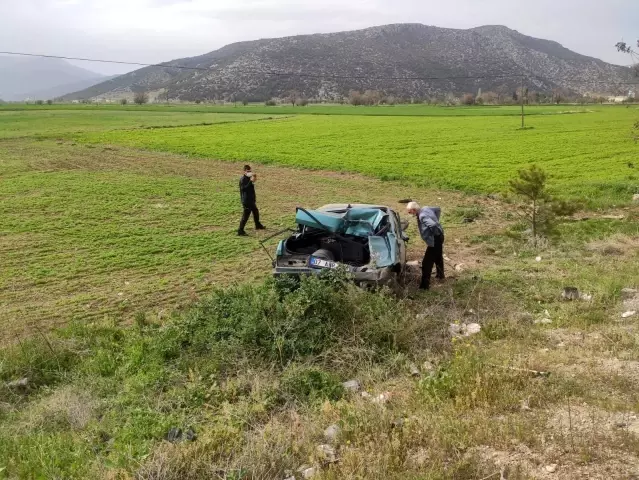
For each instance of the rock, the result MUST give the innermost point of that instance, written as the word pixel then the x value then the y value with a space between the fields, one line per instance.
pixel 331 433
pixel 455 329
pixel 309 472
pixel 21 383
pixel 459 267
pixel 552 468
pixel 382 398
pixel 570 293
pixel 628 314
pixel 635 198
pixel 543 321
pixel 525 404
pixel 190 435
pixel 327 453
pixel 414 371
pixel 586 297
pixel 365 395
pixel 538 259
pixel 414 263
pixel 470 312
pixel 428 367
pixel 472 329
pixel 628 293
pixel 174 435
pixel 352 386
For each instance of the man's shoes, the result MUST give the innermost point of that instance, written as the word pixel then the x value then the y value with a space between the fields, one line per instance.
pixel 242 233
pixel 424 287
pixel 260 227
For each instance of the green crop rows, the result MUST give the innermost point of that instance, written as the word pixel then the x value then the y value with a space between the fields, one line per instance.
pixel 588 155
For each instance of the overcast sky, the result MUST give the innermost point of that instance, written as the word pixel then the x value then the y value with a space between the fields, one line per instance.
pixel 153 31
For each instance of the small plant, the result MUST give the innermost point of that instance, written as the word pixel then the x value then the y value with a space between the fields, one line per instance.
pixel 140 98
pixel 541 210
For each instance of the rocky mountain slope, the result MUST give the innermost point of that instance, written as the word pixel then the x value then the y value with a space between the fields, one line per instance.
pixel 42 78
pixel 408 60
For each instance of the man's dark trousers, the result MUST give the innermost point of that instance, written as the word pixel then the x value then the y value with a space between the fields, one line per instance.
pixel 248 209
pixel 433 256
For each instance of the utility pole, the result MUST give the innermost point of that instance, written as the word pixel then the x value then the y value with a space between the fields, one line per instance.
pixel 521 94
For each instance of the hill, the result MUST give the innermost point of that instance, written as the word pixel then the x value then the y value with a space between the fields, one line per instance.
pixel 42 78
pixel 373 58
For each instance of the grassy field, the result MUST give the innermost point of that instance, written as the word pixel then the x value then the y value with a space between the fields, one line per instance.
pixel 395 110
pixel 124 238
pixel 587 155
pixel 51 123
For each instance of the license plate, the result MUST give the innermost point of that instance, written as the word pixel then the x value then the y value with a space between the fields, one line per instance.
pixel 319 263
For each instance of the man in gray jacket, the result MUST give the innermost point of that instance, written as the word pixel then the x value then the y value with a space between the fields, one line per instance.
pixel 432 233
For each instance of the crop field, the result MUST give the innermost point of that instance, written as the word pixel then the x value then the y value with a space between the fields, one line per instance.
pixel 141 339
pixel 43 123
pixel 375 111
pixel 589 155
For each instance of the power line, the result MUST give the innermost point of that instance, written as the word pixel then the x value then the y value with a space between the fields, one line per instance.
pixel 296 74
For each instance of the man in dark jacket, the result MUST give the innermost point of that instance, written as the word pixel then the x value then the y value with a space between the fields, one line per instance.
pixel 247 196
pixel 432 233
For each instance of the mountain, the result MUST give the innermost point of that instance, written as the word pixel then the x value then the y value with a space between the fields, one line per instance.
pixel 356 60
pixel 41 78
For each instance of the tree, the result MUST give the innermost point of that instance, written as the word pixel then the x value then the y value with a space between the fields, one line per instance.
pixel 140 98
pixel 123 101
pixel 540 209
pixel 355 98
pixel 49 102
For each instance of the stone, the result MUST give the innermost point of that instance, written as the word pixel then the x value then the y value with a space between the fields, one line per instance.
pixel 628 293
pixel 538 259
pixel 332 432
pixel 552 468
pixel 414 371
pixel 352 385
pixel 20 383
pixel 174 435
pixel 543 321
pixel 586 297
pixel 414 263
pixel 365 395
pixel 327 453
pixel 628 314
pixel 472 329
pixel 570 293
pixel 459 267
pixel 428 367
pixel 635 198
pixel 382 398
pixel 309 472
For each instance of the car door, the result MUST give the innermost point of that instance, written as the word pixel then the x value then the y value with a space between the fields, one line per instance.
pixel 399 234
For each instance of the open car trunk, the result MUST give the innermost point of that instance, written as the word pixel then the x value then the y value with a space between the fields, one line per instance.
pixel 362 239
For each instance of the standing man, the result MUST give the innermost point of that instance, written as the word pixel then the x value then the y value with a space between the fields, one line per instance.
pixel 247 196
pixel 432 233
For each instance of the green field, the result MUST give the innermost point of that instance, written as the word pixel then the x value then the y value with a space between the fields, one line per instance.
pixel 393 111
pixel 587 155
pixel 132 309
pixel 54 122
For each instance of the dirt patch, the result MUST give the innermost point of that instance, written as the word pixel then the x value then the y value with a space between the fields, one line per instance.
pixel 615 245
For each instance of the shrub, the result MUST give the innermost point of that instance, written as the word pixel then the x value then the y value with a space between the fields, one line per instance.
pixel 198 101
pixel 309 384
pixel 49 102
pixel 270 103
pixel 468 99
pixel 123 101
pixel 39 102
pixel 245 102
pixel 140 98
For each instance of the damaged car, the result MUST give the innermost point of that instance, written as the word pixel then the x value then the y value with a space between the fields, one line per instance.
pixel 366 240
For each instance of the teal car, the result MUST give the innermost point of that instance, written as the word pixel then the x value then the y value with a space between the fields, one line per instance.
pixel 366 240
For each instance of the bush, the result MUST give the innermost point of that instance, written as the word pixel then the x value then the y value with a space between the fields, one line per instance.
pixel 270 103
pixel 468 99
pixel 245 102
pixel 123 101
pixel 49 102
pixel 198 101
pixel 309 384
pixel 39 102
pixel 140 98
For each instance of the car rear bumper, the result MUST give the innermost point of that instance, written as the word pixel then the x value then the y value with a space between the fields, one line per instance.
pixel 377 276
